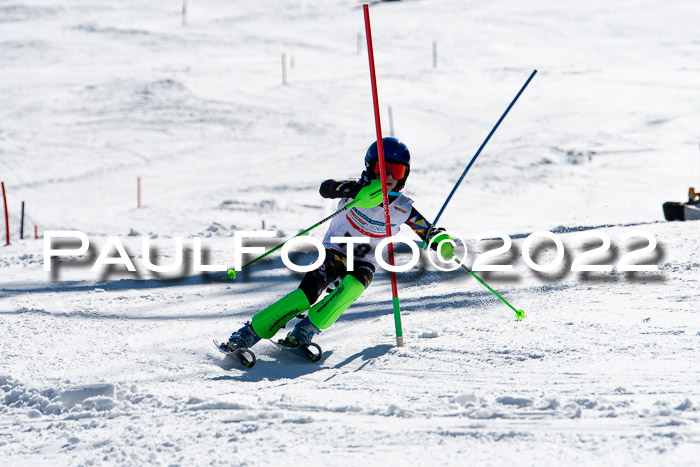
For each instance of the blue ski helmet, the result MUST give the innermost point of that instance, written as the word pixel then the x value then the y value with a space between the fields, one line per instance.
pixel 395 152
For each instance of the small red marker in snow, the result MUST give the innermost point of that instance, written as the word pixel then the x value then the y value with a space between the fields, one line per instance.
pixel 7 221
pixel 138 192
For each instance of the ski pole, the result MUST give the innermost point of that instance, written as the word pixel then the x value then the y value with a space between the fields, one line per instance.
pixel 519 314
pixel 231 273
pixel 469 166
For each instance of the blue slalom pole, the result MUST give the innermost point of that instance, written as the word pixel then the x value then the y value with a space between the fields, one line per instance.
pixel 493 130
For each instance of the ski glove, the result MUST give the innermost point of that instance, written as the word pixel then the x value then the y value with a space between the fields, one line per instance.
pixel 446 248
pixel 339 189
pixel 348 189
pixel 369 196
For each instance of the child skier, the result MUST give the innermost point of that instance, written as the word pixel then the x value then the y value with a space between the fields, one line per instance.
pixel 366 219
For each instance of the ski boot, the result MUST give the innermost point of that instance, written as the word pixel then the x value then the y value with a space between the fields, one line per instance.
pixel 239 344
pixel 300 338
pixel 244 338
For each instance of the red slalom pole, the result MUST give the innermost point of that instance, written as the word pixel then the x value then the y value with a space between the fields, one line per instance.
pixel 382 173
pixel 7 219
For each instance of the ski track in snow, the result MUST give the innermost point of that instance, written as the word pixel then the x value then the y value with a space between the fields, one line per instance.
pixel 114 368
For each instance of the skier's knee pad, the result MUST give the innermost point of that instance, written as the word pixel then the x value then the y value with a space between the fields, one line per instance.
pixel 328 310
pixel 267 322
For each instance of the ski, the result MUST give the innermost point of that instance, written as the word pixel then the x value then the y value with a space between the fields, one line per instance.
pixel 245 356
pixel 310 350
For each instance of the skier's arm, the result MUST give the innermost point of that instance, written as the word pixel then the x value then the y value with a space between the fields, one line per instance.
pixel 339 188
pixel 419 224
pixel 428 233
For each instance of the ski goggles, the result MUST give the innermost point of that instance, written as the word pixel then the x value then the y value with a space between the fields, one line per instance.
pixel 398 171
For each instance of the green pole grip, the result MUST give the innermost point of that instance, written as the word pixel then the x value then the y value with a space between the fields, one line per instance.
pixel 397 318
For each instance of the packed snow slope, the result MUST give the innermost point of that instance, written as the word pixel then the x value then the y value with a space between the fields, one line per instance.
pixel 106 367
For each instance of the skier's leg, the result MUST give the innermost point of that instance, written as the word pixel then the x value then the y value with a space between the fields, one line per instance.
pixel 323 314
pixel 328 310
pixel 315 282
pixel 313 285
pixel 267 322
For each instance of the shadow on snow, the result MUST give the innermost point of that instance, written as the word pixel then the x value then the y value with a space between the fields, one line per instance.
pixel 288 364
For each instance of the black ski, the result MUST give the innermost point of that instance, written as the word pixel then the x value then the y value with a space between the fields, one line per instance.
pixel 245 356
pixel 311 350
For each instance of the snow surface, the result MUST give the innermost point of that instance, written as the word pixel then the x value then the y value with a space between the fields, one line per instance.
pixel 108 367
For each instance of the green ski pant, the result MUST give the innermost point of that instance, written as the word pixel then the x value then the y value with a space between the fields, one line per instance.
pixel 327 311
pixel 267 322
